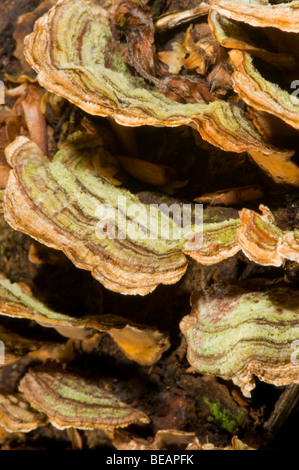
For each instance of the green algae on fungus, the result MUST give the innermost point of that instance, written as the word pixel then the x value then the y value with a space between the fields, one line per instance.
pixel 66 205
pixel 236 334
pixel 263 242
pixel 16 301
pixel 71 401
pixel 75 66
pixel 288 246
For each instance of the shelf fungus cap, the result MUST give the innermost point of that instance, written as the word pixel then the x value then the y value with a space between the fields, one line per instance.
pixel 16 414
pixel 66 205
pixel 236 335
pixel 288 245
pixel 17 347
pixel 85 69
pixel 260 93
pixel 232 35
pixel 71 401
pixel 140 343
pixel 165 439
pixel 284 16
pixel 219 242
pixel 258 237
pixel 263 242
pixel 17 301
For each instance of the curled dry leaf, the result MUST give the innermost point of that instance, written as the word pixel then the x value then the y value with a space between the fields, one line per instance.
pixel 23 79
pixel 288 245
pixel 54 203
pixel 232 196
pixel 74 66
pixel 236 334
pixel 35 120
pixel 139 343
pixel 196 55
pixel 174 59
pixel 148 172
pixel 4 141
pixel 16 414
pixel 17 347
pixel 279 167
pixel 237 444
pixel 124 440
pixel 71 401
pixel 135 22
pixel 27 115
pixel 41 254
pixel 174 439
pixel 284 16
pixel 165 439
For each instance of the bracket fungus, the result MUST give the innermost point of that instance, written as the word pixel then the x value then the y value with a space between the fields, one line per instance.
pixel 76 67
pixel 232 35
pixel 166 439
pixel 139 343
pixel 260 93
pixel 16 414
pixel 263 241
pixel 57 203
pixel 70 401
pixel 258 236
pixel 66 205
pixel 284 16
pixel 288 245
pixel 236 334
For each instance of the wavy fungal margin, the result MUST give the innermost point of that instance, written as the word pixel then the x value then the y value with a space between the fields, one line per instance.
pixel 236 335
pixel 57 202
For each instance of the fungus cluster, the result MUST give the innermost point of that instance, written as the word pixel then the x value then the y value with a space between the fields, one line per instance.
pixel 215 76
